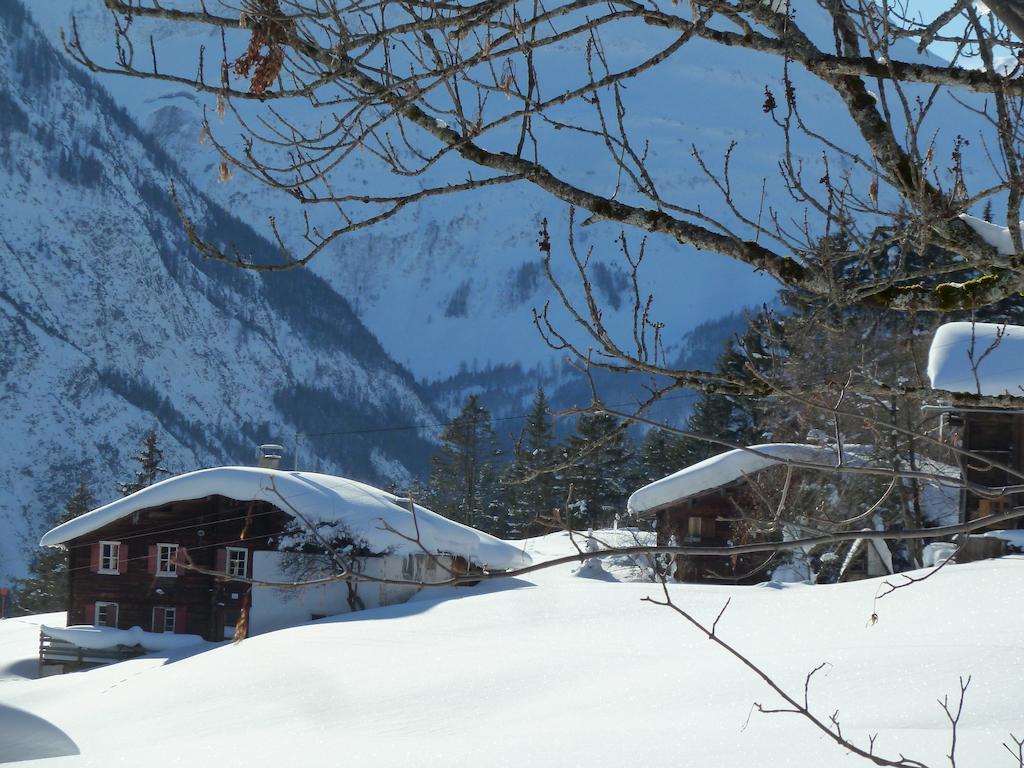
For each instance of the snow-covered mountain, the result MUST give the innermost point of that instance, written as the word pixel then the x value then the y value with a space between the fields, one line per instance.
pixel 111 324
pixel 464 271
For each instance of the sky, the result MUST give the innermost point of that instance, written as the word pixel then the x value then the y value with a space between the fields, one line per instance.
pixel 929 9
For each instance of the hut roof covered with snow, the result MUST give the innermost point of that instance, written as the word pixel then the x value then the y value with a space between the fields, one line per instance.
pixel 722 470
pixel 377 517
pixel 979 358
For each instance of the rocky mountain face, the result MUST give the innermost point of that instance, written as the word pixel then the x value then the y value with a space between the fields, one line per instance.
pixel 111 324
pixel 464 271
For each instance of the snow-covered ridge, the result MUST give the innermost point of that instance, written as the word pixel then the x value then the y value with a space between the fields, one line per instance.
pixel 111 325
pixel 464 271
pixel 366 512
pixel 980 358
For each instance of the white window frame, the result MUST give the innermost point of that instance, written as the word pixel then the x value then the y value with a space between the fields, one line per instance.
pixel 412 567
pixel 96 613
pixel 115 558
pixel 171 612
pixel 171 559
pixel 228 562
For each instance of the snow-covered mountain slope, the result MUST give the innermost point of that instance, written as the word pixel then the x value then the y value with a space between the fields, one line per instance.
pixel 464 271
pixel 111 325
pixel 555 670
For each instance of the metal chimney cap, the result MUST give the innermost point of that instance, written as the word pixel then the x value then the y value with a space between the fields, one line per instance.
pixel 269 456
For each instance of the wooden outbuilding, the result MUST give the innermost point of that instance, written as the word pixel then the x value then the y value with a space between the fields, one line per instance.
pixel 704 504
pixel 982 359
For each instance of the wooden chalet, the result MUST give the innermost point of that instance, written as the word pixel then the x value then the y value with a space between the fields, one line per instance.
pixel 144 569
pixel 210 551
pixel 982 359
pixel 705 505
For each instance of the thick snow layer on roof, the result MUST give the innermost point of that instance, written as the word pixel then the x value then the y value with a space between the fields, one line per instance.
pixel 997 352
pixel 363 510
pixel 993 234
pixel 723 469
pixel 99 638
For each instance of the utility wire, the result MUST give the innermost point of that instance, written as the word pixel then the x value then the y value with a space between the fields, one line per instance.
pixel 493 420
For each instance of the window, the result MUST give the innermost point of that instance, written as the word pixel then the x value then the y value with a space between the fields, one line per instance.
pixel 237 562
pixel 166 559
pixel 164 618
pixel 698 527
pixel 110 557
pixel 106 615
pixel 412 567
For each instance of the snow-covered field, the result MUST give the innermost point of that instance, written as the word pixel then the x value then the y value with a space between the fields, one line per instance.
pixel 558 670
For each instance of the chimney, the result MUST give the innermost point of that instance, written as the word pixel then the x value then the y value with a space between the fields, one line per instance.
pixel 269 456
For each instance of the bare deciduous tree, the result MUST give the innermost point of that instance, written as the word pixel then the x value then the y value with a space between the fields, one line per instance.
pixel 468 95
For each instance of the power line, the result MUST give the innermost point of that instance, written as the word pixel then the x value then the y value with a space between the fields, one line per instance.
pixel 493 420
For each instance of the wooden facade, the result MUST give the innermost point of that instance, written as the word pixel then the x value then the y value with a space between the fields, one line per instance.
pixel 130 573
pixel 707 520
pixel 995 435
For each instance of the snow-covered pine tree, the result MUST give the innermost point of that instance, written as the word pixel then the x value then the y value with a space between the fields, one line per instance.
pixel 464 473
pixel 45 589
pixel 662 452
pixel 531 492
pixel 721 416
pixel 150 469
pixel 604 470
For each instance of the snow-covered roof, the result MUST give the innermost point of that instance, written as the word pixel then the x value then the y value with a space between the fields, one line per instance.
pixel 100 638
pixel 722 470
pixel 362 509
pixel 993 234
pixel 998 358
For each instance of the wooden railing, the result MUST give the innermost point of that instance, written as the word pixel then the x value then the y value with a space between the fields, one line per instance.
pixel 53 650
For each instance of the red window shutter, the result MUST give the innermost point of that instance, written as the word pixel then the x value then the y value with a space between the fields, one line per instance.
pixel 94 557
pixel 90 614
pixel 122 558
pixel 152 558
pixel 179 620
pixel 222 560
pixel 158 619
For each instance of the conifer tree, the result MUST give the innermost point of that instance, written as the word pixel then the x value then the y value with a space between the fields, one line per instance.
pixel 724 417
pixel 604 471
pixel 532 491
pixel 45 589
pixel 150 469
pixel 661 453
pixel 463 478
